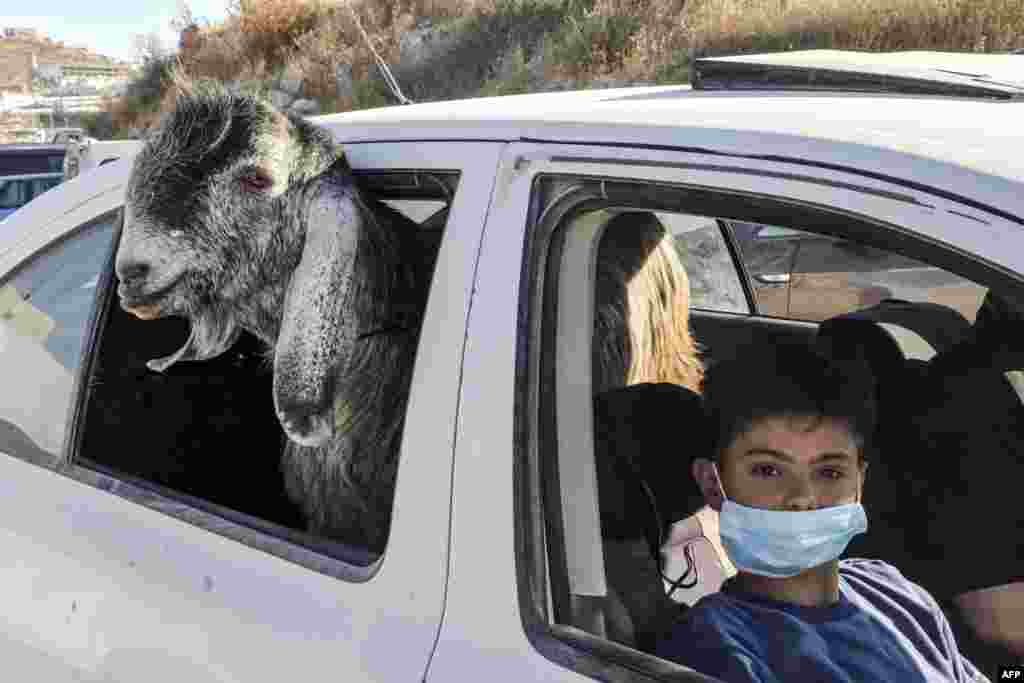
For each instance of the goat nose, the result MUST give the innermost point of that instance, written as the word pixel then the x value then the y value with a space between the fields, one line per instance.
pixel 132 273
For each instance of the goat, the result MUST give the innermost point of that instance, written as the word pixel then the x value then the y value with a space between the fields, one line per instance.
pixel 238 217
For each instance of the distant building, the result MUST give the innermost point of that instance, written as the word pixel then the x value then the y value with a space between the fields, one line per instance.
pixel 16 73
pixel 27 57
pixel 15 33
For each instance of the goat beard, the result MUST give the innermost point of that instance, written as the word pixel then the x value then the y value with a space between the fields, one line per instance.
pixel 210 335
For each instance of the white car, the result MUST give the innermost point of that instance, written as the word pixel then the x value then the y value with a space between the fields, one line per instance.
pixel 144 531
pixel 18 190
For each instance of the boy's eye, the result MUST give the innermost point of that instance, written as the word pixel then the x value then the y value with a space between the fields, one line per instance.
pixel 764 470
pixel 833 473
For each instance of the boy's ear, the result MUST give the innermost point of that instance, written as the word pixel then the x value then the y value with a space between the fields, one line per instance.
pixel 704 474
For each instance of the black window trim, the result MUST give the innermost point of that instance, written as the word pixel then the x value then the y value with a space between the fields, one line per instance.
pixel 539 526
pixel 733 245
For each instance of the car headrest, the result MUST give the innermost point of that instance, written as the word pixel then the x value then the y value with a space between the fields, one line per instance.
pixel 646 436
pixel 854 339
pixel 998 316
pixel 887 334
pixel 994 345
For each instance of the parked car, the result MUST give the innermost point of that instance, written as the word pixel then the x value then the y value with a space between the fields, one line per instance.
pixel 18 190
pixel 146 535
pixel 88 154
pixel 21 159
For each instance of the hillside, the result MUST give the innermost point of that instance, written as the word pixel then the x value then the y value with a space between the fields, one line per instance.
pixel 311 55
pixel 25 55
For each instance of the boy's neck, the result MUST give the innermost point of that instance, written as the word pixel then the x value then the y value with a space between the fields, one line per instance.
pixel 816 587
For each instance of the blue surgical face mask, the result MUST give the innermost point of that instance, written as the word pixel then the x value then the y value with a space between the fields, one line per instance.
pixel 784 543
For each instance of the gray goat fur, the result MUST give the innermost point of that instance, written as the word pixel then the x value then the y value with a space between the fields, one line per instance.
pixel 239 217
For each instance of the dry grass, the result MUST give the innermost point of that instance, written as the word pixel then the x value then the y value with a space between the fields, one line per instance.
pixel 719 26
pixel 263 40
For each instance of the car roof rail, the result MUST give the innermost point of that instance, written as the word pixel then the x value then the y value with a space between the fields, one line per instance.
pixel 950 74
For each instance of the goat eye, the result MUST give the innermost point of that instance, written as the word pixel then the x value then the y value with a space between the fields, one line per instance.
pixel 254 181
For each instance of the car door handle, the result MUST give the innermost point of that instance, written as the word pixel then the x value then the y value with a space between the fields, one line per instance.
pixel 772 278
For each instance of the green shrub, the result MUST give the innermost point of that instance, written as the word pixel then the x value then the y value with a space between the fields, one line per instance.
pixel 139 104
pixel 675 72
pixel 514 79
pixel 594 44
pixel 99 124
pixel 371 92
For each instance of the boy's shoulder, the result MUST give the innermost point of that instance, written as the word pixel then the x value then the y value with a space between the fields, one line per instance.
pixel 870 568
pixel 877 580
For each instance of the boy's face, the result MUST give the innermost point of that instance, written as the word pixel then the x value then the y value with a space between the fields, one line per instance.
pixel 779 465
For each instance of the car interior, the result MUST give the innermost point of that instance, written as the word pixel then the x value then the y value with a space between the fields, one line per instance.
pixel 626 525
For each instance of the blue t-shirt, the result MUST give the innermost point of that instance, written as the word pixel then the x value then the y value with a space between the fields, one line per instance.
pixel 884 628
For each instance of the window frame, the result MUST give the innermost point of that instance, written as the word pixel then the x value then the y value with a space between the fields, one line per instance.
pixel 339 560
pixel 541 570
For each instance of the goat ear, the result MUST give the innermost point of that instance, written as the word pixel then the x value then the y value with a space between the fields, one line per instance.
pixel 318 325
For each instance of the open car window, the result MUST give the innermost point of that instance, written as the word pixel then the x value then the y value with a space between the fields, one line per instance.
pixel 628 542
pixel 197 419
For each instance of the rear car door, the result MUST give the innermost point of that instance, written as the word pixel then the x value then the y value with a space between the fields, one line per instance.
pixel 109 575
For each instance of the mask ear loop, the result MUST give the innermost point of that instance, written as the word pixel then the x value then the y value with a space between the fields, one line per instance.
pixel 718 481
pixel 691 565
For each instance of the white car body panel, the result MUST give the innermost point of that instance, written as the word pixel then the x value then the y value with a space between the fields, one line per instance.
pixel 134 594
pixel 100 588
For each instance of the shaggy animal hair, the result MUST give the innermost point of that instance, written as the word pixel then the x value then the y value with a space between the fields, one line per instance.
pixel 233 258
pixel 642 317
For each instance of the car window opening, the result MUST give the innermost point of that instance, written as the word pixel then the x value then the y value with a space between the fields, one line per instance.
pixel 207 431
pixel 921 331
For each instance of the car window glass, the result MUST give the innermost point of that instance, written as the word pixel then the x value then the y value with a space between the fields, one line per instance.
pixel 45 307
pixel 715 283
pixel 193 413
pixel 802 275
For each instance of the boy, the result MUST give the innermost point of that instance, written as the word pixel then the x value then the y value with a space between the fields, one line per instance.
pixel 789 431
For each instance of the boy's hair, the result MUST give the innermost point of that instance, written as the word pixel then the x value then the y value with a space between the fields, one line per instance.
pixel 789 380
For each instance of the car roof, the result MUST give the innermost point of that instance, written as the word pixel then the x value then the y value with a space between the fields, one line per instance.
pixel 968 148
pixel 978 134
